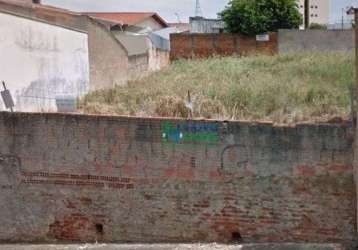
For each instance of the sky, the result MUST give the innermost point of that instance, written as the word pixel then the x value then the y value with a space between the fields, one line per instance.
pixel 168 8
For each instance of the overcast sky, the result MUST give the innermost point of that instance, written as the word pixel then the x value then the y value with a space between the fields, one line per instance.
pixel 168 8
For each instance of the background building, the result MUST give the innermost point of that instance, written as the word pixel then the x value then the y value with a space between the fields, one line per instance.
pixel 206 25
pixel 139 22
pixel 43 60
pixel 52 54
pixel 315 11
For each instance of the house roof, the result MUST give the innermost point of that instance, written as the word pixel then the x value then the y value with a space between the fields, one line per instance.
pixel 54 9
pixel 134 44
pixel 44 13
pixel 16 3
pixel 351 11
pixel 44 7
pixel 127 18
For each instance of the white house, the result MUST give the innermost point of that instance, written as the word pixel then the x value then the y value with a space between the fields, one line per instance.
pixel 41 62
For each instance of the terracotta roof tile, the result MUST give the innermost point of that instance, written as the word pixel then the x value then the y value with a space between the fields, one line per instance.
pixel 26 4
pixel 15 2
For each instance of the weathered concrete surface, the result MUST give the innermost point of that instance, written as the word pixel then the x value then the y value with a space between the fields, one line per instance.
pixel 107 55
pixel 175 247
pixel 316 40
pixel 53 62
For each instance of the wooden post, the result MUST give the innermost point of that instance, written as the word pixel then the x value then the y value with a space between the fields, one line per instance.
pixel 307 14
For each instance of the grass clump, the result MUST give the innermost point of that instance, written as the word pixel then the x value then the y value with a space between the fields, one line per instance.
pixel 284 89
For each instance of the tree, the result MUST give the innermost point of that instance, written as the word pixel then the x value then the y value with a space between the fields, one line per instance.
pixel 317 26
pixel 252 17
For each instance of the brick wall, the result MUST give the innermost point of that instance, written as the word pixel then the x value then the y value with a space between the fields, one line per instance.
pixel 207 45
pixel 119 179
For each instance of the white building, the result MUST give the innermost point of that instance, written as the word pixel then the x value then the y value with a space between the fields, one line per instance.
pixel 206 25
pixel 41 62
pixel 318 11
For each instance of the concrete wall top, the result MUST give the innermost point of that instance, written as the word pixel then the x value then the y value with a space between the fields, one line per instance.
pixel 320 40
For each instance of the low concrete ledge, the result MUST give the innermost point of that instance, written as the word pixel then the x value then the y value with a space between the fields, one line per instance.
pixel 176 247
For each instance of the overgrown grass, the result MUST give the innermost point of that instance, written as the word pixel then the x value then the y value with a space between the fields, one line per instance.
pixel 284 89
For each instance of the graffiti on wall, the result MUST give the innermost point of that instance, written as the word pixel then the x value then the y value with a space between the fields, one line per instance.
pixel 190 132
pixel 239 155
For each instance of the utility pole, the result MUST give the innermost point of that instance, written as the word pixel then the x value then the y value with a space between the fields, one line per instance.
pixel 307 14
pixel 342 18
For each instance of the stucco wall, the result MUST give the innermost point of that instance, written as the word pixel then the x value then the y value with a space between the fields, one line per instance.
pixel 117 57
pixel 108 58
pixel 151 23
pixel 144 59
pixel 87 178
pixel 320 40
pixel 203 25
pixel 138 66
pixel 157 58
pixel 41 61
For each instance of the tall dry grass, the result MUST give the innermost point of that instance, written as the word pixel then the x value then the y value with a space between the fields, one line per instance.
pixel 285 89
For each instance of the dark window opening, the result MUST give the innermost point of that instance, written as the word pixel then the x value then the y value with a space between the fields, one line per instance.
pixel 236 237
pixel 99 228
pixel 193 162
